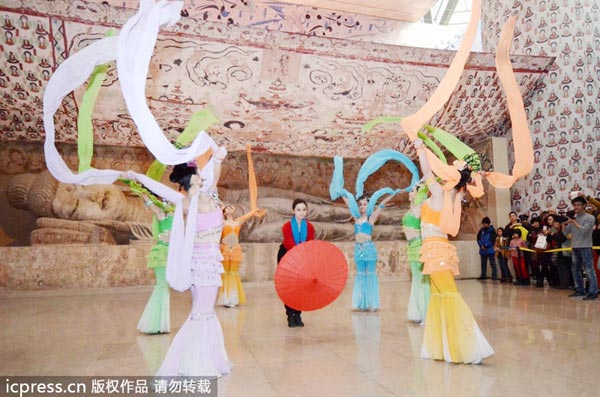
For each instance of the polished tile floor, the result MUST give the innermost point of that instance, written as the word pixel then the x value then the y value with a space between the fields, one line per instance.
pixel 546 344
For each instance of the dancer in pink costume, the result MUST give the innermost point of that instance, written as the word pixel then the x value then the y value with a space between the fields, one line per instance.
pixel 198 348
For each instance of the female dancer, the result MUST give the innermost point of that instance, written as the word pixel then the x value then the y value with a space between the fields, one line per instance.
pixel 156 316
pixel 295 231
pixel 451 332
pixel 419 287
pixel 198 348
pixel 232 292
pixel 365 294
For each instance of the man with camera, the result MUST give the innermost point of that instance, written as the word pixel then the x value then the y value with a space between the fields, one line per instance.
pixel 580 227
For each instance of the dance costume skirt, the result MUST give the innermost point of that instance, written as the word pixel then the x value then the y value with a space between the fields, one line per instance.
pixel 419 294
pixel 158 255
pixel 365 294
pixel 156 317
pixel 451 332
pixel 198 349
pixel 232 291
pixel 206 265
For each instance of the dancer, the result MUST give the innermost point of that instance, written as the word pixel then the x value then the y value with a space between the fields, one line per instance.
pixel 419 287
pixel 295 231
pixel 232 292
pixel 198 348
pixel 451 332
pixel 156 316
pixel 365 293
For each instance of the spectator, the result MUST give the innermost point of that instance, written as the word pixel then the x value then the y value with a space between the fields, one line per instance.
pixel 535 258
pixel 513 222
pixel 596 234
pixel 486 238
pixel 541 260
pixel 556 238
pixel 580 227
pixel 501 248
pixel 521 275
pixel 525 232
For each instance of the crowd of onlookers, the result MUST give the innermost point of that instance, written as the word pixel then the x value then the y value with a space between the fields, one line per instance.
pixel 557 247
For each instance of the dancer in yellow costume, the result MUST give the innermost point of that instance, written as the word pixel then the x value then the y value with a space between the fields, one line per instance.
pixel 232 292
pixel 451 332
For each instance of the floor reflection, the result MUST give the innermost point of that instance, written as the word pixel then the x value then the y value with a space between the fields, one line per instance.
pixel 545 343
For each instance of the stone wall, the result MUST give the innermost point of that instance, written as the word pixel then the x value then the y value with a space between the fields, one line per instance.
pixel 57 267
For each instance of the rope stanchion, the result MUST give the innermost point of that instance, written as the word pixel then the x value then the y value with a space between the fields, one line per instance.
pixel 595 247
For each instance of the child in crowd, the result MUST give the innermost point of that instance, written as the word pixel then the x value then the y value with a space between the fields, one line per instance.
pixel 502 254
pixel 518 259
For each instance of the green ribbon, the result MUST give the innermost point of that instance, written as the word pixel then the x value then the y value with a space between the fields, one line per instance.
pixel 85 127
pixel 396 119
pixel 199 121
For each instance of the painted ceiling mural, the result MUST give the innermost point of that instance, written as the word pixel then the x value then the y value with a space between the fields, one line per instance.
pixel 282 93
pixel 564 112
pixel 313 21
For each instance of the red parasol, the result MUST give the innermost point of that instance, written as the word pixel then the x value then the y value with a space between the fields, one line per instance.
pixel 311 275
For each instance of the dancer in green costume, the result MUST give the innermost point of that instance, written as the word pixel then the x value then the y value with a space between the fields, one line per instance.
pixel 419 288
pixel 156 316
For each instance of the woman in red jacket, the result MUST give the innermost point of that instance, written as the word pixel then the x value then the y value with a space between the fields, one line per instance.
pixel 296 231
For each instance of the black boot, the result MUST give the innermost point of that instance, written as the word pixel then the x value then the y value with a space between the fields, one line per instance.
pixel 291 317
pixel 298 318
pixel 292 321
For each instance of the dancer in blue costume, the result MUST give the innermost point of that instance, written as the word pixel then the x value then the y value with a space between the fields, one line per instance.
pixel 365 295
pixel 419 288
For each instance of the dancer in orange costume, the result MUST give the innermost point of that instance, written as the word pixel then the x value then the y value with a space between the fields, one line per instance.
pixel 451 332
pixel 232 292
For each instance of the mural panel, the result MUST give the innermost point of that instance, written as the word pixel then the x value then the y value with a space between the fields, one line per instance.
pixel 282 93
pixel 563 110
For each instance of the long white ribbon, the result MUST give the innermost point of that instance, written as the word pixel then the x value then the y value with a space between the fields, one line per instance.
pixel 132 50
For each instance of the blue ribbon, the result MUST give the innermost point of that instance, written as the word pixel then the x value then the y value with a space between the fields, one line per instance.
pixel 370 166
pixel 301 234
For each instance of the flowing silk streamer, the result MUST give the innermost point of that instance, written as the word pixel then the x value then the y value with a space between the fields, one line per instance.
pixel 72 73
pixel 85 128
pixel 136 45
pixel 373 163
pixel 518 118
pixel 76 69
pixel 253 187
pixel 199 121
pixel 337 190
pixel 396 119
pixel 132 49
pixel 413 123
pixel 521 135
pixel 370 166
